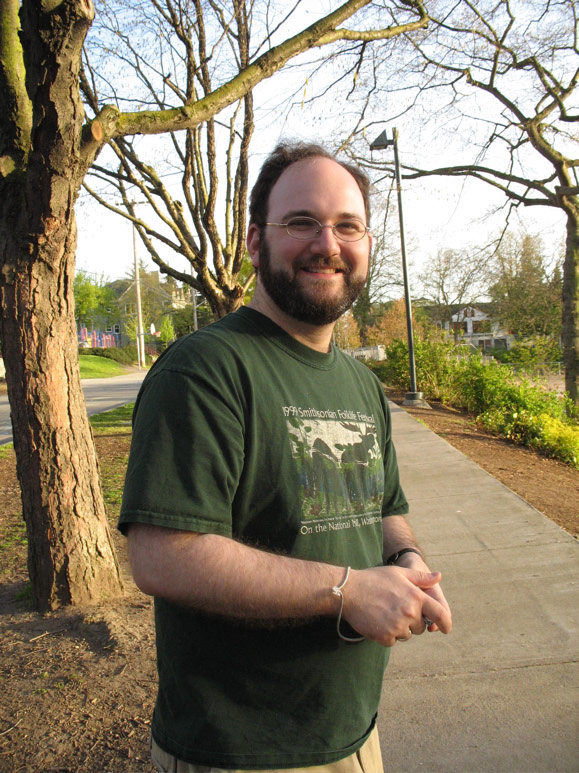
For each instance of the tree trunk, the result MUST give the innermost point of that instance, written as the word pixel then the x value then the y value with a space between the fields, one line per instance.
pixel 570 332
pixel 71 559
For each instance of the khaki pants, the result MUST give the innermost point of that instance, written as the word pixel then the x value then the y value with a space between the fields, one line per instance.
pixel 368 759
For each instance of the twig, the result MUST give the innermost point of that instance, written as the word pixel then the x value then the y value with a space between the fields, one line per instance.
pixel 11 728
pixel 46 633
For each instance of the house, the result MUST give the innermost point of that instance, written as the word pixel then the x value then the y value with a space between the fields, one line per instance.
pixel 475 325
pixel 158 298
pixel 377 352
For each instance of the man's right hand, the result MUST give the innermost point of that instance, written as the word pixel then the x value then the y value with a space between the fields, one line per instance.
pixel 388 603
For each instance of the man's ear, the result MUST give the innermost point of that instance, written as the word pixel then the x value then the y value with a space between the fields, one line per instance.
pixel 253 243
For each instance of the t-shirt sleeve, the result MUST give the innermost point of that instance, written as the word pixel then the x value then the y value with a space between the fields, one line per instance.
pixel 394 502
pixel 186 454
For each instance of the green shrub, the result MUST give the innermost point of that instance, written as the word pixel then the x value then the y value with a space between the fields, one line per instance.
pixel 127 355
pixel 531 352
pixel 507 404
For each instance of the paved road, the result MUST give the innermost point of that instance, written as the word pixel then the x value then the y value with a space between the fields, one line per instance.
pixel 101 394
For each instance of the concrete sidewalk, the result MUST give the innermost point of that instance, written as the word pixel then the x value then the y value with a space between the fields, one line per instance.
pixel 500 693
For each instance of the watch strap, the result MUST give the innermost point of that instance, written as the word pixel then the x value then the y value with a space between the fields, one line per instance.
pixel 395 557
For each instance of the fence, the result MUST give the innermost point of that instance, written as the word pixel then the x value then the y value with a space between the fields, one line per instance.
pixel 96 339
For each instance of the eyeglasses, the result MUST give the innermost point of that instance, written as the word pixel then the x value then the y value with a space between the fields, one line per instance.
pixel 305 228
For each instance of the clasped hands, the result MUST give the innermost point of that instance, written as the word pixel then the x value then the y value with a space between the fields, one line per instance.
pixel 390 603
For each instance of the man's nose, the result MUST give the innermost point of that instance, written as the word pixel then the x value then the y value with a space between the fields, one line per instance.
pixel 326 243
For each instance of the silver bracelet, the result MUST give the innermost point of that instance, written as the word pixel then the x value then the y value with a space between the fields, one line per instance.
pixel 337 591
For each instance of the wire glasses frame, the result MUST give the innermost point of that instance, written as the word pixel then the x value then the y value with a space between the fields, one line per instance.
pixel 305 228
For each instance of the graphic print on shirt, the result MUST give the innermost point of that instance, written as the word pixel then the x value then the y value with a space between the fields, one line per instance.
pixel 339 463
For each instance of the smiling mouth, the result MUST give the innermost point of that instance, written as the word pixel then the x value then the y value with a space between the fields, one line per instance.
pixel 322 270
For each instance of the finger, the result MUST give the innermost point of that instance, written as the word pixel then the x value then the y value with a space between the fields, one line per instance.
pixel 418 628
pixel 438 614
pixel 424 579
pixel 437 594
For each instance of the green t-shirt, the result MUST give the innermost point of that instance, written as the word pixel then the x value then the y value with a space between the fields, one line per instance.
pixel 242 431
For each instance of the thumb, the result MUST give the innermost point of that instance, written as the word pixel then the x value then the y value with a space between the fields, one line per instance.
pixel 424 579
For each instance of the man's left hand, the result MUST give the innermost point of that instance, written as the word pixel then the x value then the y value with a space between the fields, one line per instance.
pixel 414 561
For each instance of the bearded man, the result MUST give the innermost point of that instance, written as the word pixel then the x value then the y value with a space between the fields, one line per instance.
pixel 263 506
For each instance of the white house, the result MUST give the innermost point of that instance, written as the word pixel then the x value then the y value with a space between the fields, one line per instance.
pixel 477 327
pixel 377 352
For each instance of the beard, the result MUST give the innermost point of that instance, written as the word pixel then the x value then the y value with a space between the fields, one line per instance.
pixel 315 309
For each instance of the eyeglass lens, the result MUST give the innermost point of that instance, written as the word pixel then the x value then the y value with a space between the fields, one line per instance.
pixel 309 228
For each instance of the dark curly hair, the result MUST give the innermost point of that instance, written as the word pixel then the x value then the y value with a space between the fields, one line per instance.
pixel 284 155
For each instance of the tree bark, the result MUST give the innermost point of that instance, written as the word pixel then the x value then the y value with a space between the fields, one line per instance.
pixel 71 559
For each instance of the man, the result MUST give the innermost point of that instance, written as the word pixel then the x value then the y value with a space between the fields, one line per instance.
pixel 262 493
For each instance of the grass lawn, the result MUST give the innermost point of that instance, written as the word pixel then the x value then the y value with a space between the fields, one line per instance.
pixel 92 366
pixel 113 422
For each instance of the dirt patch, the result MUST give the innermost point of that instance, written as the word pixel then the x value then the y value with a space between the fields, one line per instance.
pixel 79 685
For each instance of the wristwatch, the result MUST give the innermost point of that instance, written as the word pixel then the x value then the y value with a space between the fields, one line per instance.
pixel 395 557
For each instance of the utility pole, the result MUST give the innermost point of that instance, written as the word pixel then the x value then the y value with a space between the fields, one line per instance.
pixel 140 331
pixel 414 397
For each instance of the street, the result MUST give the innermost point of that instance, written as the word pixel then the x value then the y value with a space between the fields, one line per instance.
pixel 100 394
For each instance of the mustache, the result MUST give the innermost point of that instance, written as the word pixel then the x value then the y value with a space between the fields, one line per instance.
pixel 314 263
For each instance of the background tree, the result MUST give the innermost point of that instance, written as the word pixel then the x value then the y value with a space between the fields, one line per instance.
pixel 167 331
pixel 46 149
pixel 346 332
pixel 184 319
pixel 385 271
pixel 94 300
pixel 199 223
pixel 452 280
pixel 500 75
pixel 391 325
pixel 527 295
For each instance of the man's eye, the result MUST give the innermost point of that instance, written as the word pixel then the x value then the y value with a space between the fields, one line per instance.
pixel 302 224
pixel 349 227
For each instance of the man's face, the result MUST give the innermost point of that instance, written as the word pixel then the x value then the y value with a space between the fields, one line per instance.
pixel 313 281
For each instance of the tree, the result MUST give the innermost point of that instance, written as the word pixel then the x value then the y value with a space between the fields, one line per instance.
pixel 184 319
pixel 346 333
pixel 453 278
pixel 385 271
pixel 200 221
pixel 167 331
pixel 507 71
pixel 391 326
pixel 46 149
pixel 527 296
pixel 93 300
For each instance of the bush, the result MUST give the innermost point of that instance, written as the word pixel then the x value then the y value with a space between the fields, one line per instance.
pixel 559 439
pixel 501 401
pixel 126 355
pixel 531 352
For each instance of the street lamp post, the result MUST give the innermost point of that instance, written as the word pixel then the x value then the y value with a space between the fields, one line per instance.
pixel 414 397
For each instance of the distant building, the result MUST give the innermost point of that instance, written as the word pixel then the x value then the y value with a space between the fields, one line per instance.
pixel 158 298
pixel 475 325
pixel 377 352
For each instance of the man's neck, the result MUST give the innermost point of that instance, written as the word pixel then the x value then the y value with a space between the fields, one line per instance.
pixel 318 337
